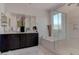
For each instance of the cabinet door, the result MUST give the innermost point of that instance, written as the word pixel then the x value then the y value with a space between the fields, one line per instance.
pixel 32 39
pixel 35 39
pixel 0 43
pixel 13 41
pixel 4 43
pixel 23 42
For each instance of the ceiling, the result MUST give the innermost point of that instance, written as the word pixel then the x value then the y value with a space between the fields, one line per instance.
pixel 31 6
pixel 70 8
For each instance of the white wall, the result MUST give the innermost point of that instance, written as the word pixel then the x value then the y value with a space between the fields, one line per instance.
pixel 2 8
pixel 41 19
pixel 72 17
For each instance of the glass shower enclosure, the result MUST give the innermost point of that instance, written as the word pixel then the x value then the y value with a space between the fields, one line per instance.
pixel 59 31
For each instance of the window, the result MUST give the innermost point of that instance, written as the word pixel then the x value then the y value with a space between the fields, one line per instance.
pixel 57 21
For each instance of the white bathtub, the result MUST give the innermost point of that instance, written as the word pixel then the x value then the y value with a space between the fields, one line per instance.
pixel 61 47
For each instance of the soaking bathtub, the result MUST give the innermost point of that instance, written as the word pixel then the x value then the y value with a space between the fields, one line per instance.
pixel 61 47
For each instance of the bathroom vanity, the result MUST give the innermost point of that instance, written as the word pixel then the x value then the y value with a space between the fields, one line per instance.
pixel 12 41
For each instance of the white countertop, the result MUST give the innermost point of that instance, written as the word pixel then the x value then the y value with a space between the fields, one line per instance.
pixel 17 32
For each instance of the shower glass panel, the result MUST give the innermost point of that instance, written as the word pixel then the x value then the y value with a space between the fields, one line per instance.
pixel 58 29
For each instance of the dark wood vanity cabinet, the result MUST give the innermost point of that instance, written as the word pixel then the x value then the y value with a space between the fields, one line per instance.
pixel 17 41
pixel 4 43
pixel 23 41
pixel 31 42
pixel 13 41
pixel 28 40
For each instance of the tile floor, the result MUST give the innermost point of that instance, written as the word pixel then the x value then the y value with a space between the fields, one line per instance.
pixel 37 50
